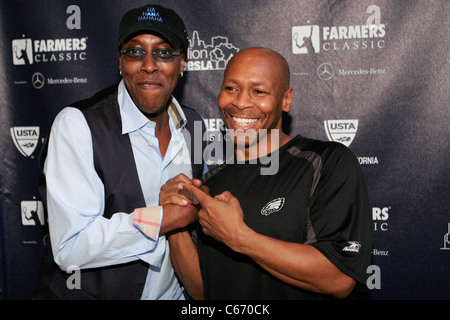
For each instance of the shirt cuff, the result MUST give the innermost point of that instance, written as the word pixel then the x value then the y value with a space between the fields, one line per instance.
pixel 148 220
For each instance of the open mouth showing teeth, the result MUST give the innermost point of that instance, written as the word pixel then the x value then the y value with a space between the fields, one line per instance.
pixel 244 122
pixel 150 84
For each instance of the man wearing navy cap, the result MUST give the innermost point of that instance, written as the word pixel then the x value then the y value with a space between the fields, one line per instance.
pixel 104 163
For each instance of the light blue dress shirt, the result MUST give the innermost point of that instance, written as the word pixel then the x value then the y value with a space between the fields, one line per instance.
pixel 80 235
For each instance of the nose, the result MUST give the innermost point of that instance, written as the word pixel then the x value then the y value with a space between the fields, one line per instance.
pixel 149 64
pixel 243 100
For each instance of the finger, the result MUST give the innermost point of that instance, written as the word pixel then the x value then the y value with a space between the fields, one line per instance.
pixel 195 193
pixel 203 223
pixel 176 198
pixel 205 231
pixel 224 196
pixel 187 196
pixel 171 186
pixel 196 182
pixel 205 189
pixel 179 178
pixel 169 195
pixel 183 178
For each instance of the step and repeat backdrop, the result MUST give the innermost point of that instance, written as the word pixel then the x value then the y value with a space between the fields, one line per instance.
pixel 371 74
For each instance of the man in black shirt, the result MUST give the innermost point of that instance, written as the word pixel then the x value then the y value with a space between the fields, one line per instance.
pixel 300 231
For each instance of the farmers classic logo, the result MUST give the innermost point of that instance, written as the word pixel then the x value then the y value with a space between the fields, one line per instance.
pixel 27 51
pixel 306 39
pixel 32 213
pixel 212 56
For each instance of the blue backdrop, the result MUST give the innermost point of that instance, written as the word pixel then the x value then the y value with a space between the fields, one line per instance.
pixel 372 74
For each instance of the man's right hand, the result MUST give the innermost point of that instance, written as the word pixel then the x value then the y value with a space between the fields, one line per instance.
pixel 178 210
pixel 170 191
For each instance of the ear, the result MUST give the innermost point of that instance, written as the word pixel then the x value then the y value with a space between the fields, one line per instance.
pixel 182 62
pixel 287 99
pixel 120 62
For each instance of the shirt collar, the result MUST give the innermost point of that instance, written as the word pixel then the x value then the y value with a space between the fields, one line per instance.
pixel 133 119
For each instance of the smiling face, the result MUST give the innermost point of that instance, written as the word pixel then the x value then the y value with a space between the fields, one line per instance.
pixel 149 82
pixel 255 91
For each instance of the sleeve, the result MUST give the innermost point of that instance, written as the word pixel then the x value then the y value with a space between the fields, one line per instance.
pixel 340 213
pixel 148 221
pixel 79 233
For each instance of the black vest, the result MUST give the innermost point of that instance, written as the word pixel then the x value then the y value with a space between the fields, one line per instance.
pixel 115 165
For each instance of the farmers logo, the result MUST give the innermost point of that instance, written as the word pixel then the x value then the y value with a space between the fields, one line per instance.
pixel 312 39
pixel 27 51
pixel 32 213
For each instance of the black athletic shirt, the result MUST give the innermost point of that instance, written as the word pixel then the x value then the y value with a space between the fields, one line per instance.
pixel 317 197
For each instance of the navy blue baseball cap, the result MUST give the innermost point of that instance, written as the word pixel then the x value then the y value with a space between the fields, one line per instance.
pixel 157 20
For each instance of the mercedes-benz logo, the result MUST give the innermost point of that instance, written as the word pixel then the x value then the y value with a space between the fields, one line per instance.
pixel 38 80
pixel 325 71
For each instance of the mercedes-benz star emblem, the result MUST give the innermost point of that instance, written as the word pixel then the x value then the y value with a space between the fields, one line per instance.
pixel 325 71
pixel 38 80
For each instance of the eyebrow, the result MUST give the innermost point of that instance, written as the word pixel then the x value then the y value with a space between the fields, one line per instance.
pixel 254 83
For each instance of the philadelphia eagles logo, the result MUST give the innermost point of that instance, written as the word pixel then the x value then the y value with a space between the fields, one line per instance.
pixel 272 206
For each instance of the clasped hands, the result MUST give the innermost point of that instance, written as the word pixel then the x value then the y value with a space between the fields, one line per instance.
pixel 220 217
